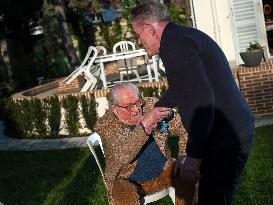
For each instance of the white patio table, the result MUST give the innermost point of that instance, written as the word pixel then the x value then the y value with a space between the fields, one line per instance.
pixel 125 55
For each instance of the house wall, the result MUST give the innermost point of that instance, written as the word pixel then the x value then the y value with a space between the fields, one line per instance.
pixel 213 18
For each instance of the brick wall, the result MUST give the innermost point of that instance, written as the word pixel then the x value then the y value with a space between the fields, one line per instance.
pixel 256 85
pixel 75 85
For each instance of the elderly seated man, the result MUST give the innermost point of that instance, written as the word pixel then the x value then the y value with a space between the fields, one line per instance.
pixel 137 163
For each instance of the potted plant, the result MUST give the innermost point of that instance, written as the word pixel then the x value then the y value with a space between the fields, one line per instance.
pixel 253 55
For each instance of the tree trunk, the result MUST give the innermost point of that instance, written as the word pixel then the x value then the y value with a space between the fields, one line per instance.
pixel 187 10
pixel 65 34
pixel 5 62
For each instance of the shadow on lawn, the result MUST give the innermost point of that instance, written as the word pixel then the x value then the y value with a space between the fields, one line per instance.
pixel 50 177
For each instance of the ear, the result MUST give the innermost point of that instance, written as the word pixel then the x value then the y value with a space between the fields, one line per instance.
pixel 150 28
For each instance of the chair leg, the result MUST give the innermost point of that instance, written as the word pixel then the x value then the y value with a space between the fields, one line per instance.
pixel 121 76
pixel 86 86
pixel 172 194
pixel 93 84
pixel 137 75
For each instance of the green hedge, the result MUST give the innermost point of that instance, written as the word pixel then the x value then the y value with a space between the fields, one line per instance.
pixel 89 112
pixel 41 118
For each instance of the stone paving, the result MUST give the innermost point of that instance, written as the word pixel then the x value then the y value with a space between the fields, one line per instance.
pixel 7 143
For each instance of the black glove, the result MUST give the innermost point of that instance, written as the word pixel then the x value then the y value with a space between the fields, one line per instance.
pixel 187 169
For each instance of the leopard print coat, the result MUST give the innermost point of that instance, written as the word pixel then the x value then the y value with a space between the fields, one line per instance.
pixel 121 144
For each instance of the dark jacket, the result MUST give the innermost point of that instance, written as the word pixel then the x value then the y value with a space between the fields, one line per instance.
pixel 201 85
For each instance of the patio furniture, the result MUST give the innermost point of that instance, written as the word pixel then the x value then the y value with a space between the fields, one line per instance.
pixel 87 68
pixel 94 140
pixel 121 56
pixel 101 50
pixel 157 63
pixel 126 66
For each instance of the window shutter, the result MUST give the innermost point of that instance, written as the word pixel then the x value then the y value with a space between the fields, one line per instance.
pixel 245 24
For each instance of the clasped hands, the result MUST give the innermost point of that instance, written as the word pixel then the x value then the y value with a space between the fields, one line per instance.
pixel 153 116
pixel 186 168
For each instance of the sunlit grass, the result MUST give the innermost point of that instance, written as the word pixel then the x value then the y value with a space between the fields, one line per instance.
pixel 71 177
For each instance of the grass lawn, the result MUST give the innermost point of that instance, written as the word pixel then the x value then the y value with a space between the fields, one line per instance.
pixel 71 177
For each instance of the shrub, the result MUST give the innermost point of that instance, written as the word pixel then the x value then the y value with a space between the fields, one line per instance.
pixel 54 115
pixel 39 116
pixel 70 104
pixel 22 114
pixel 253 46
pixel 89 111
pixel 152 92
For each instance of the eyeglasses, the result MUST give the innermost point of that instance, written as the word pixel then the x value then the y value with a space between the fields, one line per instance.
pixel 139 103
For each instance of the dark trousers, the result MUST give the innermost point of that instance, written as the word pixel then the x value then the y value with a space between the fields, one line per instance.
pixel 221 171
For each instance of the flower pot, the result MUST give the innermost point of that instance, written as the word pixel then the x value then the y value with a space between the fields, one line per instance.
pixel 252 58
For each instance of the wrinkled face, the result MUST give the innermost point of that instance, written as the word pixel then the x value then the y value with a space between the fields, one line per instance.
pixel 128 110
pixel 147 37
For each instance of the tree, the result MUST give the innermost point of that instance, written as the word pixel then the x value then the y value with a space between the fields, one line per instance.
pixel 65 34
pixel 187 10
pixel 16 44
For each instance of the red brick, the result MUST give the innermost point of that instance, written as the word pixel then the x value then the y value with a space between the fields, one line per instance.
pixel 245 81
pixel 259 73
pixel 254 91
pixel 255 98
pixel 268 90
pixel 268 82
pixel 269 104
pixel 259 80
pixel 262 101
pixel 253 84
pixel 245 74
pixel 263 87
pixel 249 78
pixel 267 75
pixel 268 96
pixel 247 89
pixel 248 95
pixel 269 108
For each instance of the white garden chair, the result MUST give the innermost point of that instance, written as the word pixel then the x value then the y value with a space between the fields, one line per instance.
pixel 87 68
pixel 101 50
pixel 128 66
pixel 94 140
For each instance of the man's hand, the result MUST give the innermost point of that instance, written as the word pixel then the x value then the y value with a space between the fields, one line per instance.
pixel 153 116
pixel 187 169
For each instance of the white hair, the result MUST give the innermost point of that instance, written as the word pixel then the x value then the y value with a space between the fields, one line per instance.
pixel 113 97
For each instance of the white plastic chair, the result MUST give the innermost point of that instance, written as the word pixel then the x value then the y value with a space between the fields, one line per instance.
pixel 127 66
pixel 94 140
pixel 88 69
pixel 101 50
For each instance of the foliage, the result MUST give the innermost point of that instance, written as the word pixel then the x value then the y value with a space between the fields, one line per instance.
pixel 105 34
pixel 111 34
pixel 152 92
pixel 54 115
pixel 89 112
pixel 70 104
pixel 39 121
pixel 127 5
pixel 177 15
pixel 35 118
pixel 22 114
pixel 253 46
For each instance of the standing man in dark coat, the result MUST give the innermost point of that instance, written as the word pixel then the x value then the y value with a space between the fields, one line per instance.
pixel 218 120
